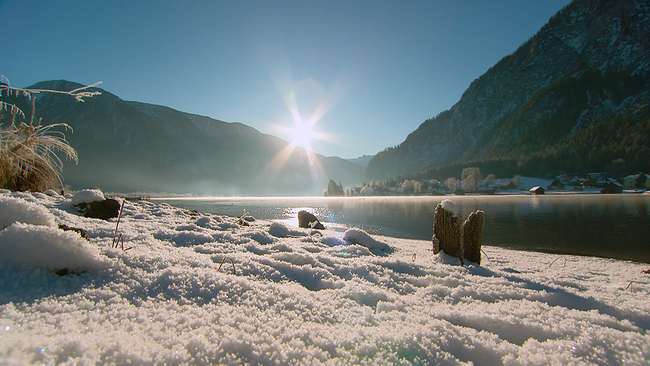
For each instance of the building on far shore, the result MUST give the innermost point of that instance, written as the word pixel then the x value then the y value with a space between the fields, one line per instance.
pixel 537 190
pixel 628 182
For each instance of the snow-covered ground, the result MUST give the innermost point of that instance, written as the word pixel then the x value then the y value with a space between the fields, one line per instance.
pixel 286 295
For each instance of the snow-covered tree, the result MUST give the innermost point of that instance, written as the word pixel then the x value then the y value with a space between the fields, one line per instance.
pixel 367 191
pixel 452 183
pixel 519 181
pixel 407 185
pixel 489 180
pixel 334 189
pixel 471 176
pixel 417 187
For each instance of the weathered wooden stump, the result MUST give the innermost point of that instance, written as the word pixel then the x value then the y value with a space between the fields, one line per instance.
pixel 446 232
pixel 459 241
pixel 473 236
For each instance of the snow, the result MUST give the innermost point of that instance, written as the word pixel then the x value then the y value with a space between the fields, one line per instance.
pixel 358 236
pixel 17 209
pixel 285 295
pixel 451 206
pixel 87 196
pixel 49 248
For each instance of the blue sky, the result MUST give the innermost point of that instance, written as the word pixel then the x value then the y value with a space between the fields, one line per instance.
pixel 368 72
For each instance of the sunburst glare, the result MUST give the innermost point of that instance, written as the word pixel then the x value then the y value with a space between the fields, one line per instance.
pixel 302 134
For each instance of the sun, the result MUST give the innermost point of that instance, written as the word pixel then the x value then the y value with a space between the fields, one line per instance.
pixel 302 134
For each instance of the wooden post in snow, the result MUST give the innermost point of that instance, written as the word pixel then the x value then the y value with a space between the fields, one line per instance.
pixel 446 231
pixel 472 238
pixel 459 241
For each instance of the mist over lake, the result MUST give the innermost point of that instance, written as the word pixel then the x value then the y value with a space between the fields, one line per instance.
pixel 596 225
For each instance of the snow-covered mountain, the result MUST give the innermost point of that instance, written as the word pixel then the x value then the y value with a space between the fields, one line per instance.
pixel 589 64
pixel 132 146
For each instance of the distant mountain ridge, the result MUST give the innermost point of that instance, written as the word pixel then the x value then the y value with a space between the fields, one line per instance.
pixel 572 98
pixel 131 146
pixel 361 160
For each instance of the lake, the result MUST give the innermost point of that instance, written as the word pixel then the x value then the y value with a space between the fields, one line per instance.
pixel 615 226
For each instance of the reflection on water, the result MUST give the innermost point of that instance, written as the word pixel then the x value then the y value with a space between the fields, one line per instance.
pixel 603 225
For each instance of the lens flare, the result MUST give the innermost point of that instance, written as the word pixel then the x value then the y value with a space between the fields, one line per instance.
pixel 302 134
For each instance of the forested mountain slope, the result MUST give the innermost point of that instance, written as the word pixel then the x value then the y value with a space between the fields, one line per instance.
pixel 573 98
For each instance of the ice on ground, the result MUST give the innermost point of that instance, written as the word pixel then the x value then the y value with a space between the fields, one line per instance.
pixel 87 196
pixel 314 298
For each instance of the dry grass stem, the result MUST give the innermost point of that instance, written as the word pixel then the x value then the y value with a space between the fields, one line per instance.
pixel 119 217
pixel 549 266
pixel 234 271
pixel 120 239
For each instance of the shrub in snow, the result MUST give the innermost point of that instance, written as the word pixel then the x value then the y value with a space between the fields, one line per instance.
pixel 28 150
pixel 18 210
pixel 87 196
pixel 47 247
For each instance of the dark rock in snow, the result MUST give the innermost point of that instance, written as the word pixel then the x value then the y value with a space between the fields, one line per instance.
pixel 309 221
pixel 106 209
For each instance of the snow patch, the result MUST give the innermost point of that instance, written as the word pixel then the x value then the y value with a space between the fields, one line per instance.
pixel 451 206
pixel 358 236
pixel 48 248
pixel 19 210
pixel 52 193
pixel 87 196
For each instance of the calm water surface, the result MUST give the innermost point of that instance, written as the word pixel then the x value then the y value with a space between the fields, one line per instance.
pixel 614 226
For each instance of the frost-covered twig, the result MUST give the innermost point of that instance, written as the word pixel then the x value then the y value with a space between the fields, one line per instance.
pixel 241 221
pixel 79 94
